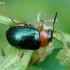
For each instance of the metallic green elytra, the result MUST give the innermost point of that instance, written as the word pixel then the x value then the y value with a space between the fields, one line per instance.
pixel 23 37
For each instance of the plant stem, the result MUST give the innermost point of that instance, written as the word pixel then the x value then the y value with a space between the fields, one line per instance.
pixel 5 20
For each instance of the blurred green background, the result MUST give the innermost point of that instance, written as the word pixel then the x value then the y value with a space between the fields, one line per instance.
pixel 28 10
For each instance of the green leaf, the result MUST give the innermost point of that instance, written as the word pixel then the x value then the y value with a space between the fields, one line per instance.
pixel 64 57
pixel 14 59
pixel 51 63
pixel 33 68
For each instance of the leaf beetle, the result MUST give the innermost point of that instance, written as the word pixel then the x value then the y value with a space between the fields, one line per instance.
pixel 29 37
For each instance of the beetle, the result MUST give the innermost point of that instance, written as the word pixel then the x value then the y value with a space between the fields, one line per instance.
pixel 29 37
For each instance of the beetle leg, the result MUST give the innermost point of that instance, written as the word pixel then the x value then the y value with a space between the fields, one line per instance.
pixel 30 25
pixel 20 22
pixel 17 23
pixel 25 24
pixel 12 20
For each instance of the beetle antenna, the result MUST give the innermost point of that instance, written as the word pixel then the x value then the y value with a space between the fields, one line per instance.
pixel 58 40
pixel 61 42
pixel 54 20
